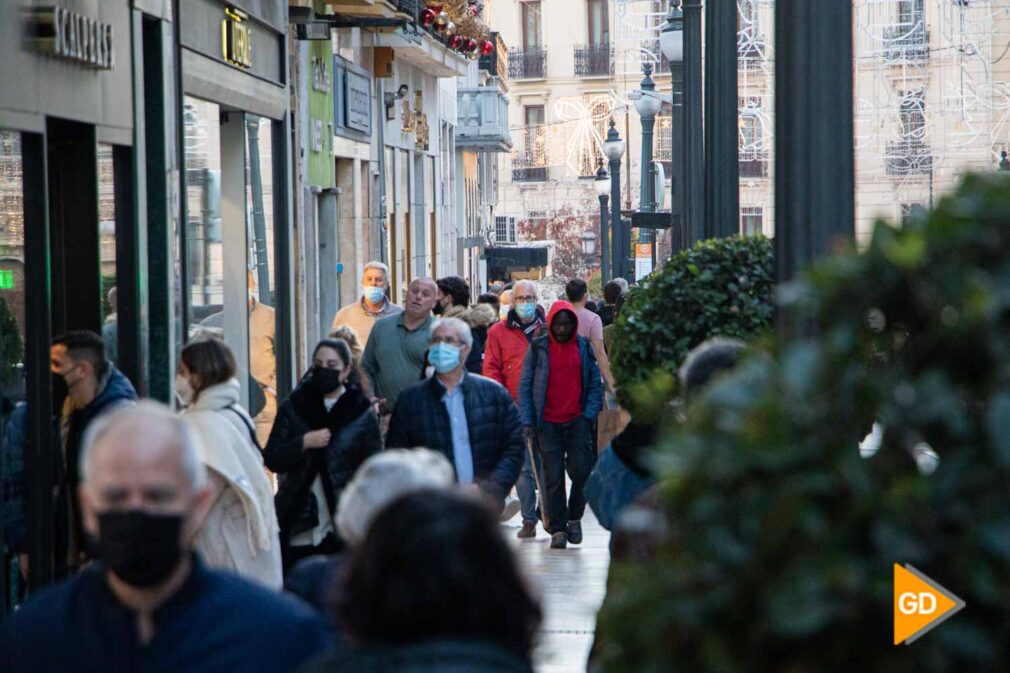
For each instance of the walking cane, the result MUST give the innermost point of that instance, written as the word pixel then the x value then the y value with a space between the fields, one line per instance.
pixel 536 478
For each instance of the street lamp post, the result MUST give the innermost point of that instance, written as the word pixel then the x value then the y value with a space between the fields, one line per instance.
pixel 602 184
pixel 648 106
pixel 694 160
pixel 589 247
pixel 614 148
pixel 722 144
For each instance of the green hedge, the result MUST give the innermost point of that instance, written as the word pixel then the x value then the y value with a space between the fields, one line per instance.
pixel 720 287
pixel 780 539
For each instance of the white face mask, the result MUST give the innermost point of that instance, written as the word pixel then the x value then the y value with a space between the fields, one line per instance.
pixel 183 389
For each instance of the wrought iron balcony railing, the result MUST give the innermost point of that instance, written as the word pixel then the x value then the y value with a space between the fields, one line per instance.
pixel 535 174
pixel 496 63
pixel 906 43
pixel 593 60
pixel 527 63
pixel 908 157
pixel 754 164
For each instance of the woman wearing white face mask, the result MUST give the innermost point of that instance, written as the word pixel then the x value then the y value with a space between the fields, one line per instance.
pixel 241 532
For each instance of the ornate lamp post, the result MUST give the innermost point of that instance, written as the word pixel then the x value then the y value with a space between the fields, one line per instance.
pixel 589 247
pixel 602 185
pixel 680 41
pixel 614 149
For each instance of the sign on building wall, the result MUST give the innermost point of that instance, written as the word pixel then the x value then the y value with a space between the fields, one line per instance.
pixel 72 36
pixel 236 38
pixel 352 100
pixel 320 140
pixel 358 101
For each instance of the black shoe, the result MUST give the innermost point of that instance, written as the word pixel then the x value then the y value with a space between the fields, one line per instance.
pixel 559 541
pixel 575 532
pixel 528 530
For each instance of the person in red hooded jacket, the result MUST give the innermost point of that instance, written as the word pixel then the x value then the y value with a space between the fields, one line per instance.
pixel 560 396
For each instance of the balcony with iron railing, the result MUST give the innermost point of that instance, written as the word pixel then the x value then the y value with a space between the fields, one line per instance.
pixel 906 44
pixel 594 60
pixel 907 157
pixel 496 63
pixel 482 119
pixel 754 163
pixel 527 63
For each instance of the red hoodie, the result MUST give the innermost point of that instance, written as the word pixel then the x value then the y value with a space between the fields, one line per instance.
pixel 564 378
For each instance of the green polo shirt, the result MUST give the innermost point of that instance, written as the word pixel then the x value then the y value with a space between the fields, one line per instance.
pixel 394 356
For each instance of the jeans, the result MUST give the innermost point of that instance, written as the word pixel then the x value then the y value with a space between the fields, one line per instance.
pixel 527 490
pixel 564 447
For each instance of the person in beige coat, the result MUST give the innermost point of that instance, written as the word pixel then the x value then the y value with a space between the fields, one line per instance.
pixel 241 532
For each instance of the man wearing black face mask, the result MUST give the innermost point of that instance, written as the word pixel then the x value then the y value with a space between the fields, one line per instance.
pixel 93 387
pixel 149 604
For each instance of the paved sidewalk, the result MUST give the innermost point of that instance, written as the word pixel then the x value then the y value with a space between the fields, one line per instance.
pixel 572 583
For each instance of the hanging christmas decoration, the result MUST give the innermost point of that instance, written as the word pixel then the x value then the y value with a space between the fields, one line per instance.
pixel 456 41
pixel 450 29
pixel 441 21
pixel 486 47
pixel 471 45
pixel 460 18
pixel 427 17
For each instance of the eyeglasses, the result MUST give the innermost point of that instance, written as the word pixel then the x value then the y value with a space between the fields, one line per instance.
pixel 452 341
pixel 528 299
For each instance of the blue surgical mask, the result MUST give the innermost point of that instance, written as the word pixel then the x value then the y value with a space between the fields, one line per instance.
pixel 373 294
pixel 444 357
pixel 526 311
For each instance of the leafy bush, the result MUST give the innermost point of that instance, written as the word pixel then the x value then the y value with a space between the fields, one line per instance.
pixel 720 287
pixel 780 540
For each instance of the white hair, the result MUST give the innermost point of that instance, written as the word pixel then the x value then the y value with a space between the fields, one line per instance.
pixel 527 283
pixel 377 265
pixel 462 329
pixel 383 478
pixel 150 413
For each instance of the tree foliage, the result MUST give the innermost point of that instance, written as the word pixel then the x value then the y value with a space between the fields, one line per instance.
pixel 780 540
pixel 720 287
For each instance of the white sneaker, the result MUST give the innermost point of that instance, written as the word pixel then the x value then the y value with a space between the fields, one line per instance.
pixel 512 507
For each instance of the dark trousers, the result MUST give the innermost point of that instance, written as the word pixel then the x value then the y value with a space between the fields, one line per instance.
pixel 292 554
pixel 564 447
pixel 527 490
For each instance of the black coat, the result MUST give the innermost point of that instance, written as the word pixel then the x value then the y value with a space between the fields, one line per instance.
pixel 496 440
pixel 355 437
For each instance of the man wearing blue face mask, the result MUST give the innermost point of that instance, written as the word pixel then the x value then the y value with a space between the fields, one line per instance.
pixel 372 305
pixel 470 419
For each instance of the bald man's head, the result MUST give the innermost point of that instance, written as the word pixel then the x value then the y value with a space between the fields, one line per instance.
pixel 145 458
pixel 421 297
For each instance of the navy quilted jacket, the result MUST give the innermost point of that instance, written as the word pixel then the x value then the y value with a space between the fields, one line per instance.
pixel 496 439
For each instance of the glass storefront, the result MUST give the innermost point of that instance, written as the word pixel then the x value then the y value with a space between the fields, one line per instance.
pixel 107 250
pixel 12 273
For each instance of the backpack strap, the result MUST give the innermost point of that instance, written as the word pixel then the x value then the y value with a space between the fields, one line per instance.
pixel 248 426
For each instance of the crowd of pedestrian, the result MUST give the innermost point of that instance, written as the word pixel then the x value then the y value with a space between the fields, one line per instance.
pixel 395 457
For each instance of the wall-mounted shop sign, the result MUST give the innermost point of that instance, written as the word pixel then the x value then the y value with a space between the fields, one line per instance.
pixel 320 75
pixel 72 36
pixel 352 100
pixel 421 129
pixel 236 38
pixel 358 100
pixel 6 279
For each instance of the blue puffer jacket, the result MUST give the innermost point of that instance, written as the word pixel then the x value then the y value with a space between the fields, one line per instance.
pixel 533 383
pixel 496 440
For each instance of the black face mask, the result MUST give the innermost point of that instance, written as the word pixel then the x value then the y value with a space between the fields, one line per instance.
pixel 140 548
pixel 325 380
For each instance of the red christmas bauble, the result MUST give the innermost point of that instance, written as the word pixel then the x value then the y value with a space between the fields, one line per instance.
pixel 475 10
pixel 456 41
pixel 427 17
pixel 471 45
pixel 486 48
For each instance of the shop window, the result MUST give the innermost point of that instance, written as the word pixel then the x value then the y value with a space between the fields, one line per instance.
pixel 260 237
pixel 107 251
pixel 205 265
pixel 12 275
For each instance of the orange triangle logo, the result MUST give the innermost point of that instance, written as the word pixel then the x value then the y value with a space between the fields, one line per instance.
pixel 920 604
